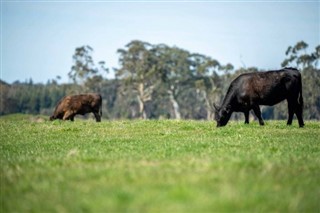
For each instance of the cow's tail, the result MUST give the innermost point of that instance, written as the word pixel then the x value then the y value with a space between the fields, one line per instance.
pixel 100 111
pixel 300 98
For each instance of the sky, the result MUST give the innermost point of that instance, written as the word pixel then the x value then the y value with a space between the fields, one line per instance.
pixel 38 38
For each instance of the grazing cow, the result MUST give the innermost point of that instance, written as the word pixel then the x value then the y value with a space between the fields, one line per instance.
pixel 250 90
pixel 69 106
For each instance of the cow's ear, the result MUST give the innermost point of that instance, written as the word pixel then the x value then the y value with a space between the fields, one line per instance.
pixel 228 108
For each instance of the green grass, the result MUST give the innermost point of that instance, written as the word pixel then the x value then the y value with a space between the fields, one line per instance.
pixel 158 166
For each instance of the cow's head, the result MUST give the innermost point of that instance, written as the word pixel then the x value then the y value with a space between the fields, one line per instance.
pixel 52 118
pixel 222 115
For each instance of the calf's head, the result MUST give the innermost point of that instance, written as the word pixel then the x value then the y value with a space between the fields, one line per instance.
pixel 55 116
pixel 222 115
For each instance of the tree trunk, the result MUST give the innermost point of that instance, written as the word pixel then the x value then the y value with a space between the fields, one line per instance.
pixel 142 112
pixel 208 106
pixel 175 105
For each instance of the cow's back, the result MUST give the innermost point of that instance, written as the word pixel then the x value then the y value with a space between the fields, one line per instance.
pixel 267 88
pixel 85 103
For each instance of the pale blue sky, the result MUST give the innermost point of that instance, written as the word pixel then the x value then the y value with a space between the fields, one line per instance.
pixel 38 38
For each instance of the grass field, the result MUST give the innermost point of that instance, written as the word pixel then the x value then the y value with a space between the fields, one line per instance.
pixel 158 166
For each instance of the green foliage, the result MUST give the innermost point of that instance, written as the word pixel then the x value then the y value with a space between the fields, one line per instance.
pixel 83 64
pixel 84 67
pixel 157 166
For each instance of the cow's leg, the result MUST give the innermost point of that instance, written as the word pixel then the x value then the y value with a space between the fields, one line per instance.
pixel 97 116
pixel 298 112
pixel 246 116
pixel 257 112
pixel 290 112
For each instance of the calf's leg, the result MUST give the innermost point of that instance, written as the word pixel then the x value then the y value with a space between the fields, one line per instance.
pixel 68 115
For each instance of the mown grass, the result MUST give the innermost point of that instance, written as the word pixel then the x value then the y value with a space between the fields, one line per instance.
pixel 158 166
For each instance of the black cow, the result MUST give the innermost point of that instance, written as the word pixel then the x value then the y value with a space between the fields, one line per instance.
pixel 69 106
pixel 250 90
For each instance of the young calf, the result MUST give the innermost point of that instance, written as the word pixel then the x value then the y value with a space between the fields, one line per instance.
pixel 69 106
pixel 250 90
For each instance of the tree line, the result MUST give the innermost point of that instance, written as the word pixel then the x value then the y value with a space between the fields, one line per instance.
pixel 156 81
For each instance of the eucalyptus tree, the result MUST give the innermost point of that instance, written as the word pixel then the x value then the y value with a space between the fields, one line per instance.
pixel 138 72
pixel 173 64
pixel 204 70
pixel 84 71
pixel 297 56
pixel 83 66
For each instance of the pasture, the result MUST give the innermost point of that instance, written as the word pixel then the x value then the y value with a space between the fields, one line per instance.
pixel 158 166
